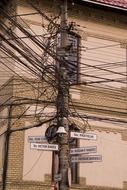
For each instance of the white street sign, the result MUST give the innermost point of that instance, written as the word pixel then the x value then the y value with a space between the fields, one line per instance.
pixel 83 150
pixel 37 139
pixel 86 136
pixel 57 177
pixel 49 147
pixel 86 158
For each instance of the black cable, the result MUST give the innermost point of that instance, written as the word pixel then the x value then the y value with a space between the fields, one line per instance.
pixel 101 79
pixel 97 118
pixel 109 95
pixel 102 69
pixel 100 109
pixel 32 126
pixel 35 57
pixel 7 139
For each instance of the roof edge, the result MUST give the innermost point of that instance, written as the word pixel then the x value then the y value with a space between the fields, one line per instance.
pixel 105 5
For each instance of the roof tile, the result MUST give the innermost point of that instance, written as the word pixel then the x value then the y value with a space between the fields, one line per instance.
pixel 117 3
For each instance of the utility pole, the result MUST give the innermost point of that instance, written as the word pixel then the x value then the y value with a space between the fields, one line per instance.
pixel 62 101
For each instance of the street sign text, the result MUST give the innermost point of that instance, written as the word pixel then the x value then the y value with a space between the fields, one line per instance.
pixel 83 150
pixel 37 139
pixel 49 147
pixel 86 158
pixel 86 136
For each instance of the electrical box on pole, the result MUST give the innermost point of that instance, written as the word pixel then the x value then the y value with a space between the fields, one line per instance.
pixel 71 55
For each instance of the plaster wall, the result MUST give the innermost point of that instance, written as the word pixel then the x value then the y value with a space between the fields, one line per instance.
pixel 112 170
pixel 36 163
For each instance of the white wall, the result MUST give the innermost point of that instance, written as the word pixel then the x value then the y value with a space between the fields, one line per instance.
pixel 112 171
pixel 37 163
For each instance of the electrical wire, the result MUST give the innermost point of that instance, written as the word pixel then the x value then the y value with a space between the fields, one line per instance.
pixel 25 52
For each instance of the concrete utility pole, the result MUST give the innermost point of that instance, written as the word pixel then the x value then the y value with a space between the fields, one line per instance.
pixel 62 101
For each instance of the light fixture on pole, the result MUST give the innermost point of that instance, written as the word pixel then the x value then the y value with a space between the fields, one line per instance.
pixel 61 130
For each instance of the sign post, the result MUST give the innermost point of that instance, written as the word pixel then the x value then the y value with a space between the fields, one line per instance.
pixel 83 150
pixel 49 147
pixel 86 158
pixel 37 139
pixel 57 177
pixel 86 136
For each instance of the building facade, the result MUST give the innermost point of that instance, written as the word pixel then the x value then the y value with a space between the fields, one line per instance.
pixel 103 44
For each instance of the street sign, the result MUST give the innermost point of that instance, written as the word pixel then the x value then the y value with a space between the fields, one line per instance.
pixel 86 158
pixel 49 147
pixel 83 150
pixel 57 177
pixel 37 139
pixel 86 136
